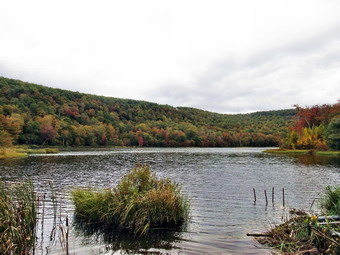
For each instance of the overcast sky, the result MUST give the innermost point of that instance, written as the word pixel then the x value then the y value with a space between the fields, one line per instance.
pixel 224 56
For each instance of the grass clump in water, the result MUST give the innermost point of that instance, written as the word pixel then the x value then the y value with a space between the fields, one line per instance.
pixel 139 203
pixel 18 216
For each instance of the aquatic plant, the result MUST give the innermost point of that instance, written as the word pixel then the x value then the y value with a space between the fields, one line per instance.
pixel 331 200
pixel 139 203
pixel 18 216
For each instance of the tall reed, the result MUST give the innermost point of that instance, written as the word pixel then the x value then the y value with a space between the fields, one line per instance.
pixel 18 217
pixel 139 203
pixel 331 200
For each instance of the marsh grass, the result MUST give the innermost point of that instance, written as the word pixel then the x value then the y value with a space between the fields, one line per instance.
pixel 328 153
pixel 299 152
pixel 138 204
pixel 18 217
pixel 21 152
pixel 331 200
pixel 6 153
pixel 24 149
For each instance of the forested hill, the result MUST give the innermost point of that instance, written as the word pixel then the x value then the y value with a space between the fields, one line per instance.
pixel 35 114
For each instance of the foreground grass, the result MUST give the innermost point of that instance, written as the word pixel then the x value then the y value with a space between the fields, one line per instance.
pixel 296 152
pixel 139 203
pixel 304 234
pixel 18 216
pixel 330 203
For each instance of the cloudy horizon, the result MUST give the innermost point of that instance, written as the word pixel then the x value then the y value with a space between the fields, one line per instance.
pixel 220 56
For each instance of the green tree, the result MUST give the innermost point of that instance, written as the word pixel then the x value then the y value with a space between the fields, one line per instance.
pixel 333 134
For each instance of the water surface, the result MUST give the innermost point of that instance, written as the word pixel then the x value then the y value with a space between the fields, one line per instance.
pixel 218 181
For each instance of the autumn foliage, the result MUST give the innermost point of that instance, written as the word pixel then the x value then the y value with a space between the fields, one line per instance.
pixel 34 114
pixel 315 127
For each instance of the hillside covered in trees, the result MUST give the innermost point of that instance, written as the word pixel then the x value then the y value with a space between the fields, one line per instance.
pixel 39 115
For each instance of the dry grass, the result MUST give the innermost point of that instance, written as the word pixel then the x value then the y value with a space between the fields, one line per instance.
pixel 303 234
pixel 21 152
pixel 6 153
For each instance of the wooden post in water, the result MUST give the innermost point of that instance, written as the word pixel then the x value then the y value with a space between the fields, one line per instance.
pixel 265 194
pixel 67 229
pixel 283 197
pixel 273 196
pixel 254 196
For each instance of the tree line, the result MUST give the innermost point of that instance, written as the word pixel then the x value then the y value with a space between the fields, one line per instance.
pixel 38 115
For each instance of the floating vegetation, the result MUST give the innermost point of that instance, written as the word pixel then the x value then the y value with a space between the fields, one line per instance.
pixel 18 217
pixel 138 204
pixel 308 234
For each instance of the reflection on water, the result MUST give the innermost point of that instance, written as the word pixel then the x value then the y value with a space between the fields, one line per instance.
pixel 128 243
pixel 318 160
pixel 218 181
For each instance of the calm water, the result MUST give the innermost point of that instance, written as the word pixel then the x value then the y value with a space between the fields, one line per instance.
pixel 218 181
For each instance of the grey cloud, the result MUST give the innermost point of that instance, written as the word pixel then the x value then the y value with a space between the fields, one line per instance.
pixel 275 79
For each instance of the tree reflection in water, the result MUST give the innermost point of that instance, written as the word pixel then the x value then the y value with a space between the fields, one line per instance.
pixel 307 159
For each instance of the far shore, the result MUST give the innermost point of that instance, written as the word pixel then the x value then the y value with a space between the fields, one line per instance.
pixel 299 152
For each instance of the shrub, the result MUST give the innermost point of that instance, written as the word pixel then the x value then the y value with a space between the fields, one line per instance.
pixel 139 203
pixel 18 215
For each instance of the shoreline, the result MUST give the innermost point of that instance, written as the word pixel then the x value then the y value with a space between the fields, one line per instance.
pixel 303 152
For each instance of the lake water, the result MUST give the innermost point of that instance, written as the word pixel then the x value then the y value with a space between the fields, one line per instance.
pixel 218 181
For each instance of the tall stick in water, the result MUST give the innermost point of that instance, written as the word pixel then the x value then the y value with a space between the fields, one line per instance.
pixel 67 229
pixel 254 196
